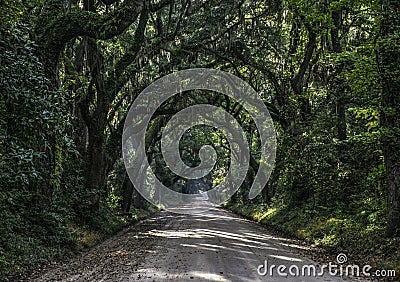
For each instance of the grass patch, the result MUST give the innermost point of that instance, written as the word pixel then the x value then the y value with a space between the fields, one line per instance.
pixel 359 235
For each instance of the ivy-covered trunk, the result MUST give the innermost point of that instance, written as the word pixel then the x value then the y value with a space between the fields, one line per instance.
pixel 95 168
pixel 388 57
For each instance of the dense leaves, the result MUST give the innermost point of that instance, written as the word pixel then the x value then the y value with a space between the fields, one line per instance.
pixel 34 141
pixel 327 71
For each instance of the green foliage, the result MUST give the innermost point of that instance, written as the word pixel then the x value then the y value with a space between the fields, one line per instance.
pixel 40 191
pixel 329 185
pixel 314 64
pixel 358 233
pixel 30 231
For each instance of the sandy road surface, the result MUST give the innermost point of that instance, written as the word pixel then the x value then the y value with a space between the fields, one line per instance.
pixel 212 245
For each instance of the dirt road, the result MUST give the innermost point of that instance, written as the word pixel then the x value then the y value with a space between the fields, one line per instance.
pixel 213 245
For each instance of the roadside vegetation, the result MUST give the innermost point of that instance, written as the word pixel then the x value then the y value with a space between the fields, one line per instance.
pixel 328 72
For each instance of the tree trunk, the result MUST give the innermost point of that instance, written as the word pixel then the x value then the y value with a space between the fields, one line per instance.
pixel 388 58
pixel 298 80
pixel 95 169
pixel 338 87
pixel 138 200
pixel 127 194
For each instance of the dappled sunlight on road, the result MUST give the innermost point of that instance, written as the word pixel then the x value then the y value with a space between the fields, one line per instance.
pixel 286 258
pixel 205 276
pixel 216 245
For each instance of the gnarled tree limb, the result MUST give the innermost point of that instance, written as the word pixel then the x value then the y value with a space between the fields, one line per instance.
pixel 55 28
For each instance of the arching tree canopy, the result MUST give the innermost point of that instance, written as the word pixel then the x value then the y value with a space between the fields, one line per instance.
pixel 327 72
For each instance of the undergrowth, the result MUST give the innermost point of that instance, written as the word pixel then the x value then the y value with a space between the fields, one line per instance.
pixel 32 238
pixel 359 235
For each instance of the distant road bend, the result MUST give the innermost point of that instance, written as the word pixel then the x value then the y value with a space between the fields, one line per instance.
pixel 211 245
